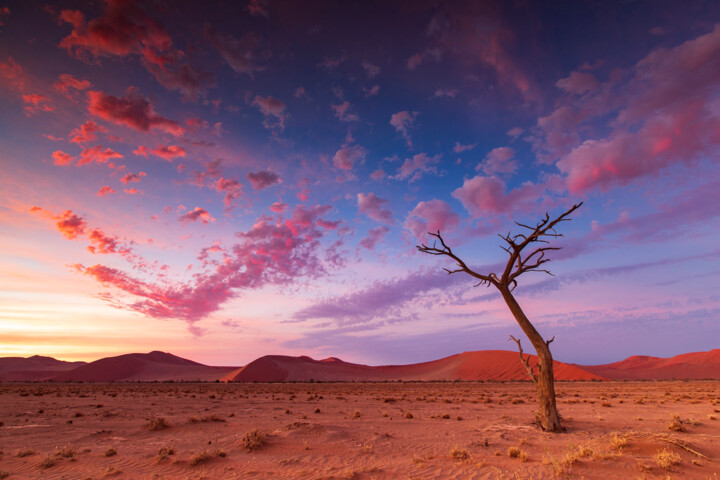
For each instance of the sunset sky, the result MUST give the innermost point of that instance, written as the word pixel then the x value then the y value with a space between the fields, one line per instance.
pixel 224 180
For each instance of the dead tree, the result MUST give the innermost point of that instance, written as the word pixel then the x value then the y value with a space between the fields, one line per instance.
pixel 518 264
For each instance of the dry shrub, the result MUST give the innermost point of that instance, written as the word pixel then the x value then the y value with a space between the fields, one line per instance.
pixel 513 452
pixel 207 419
pixel 164 452
pixel 253 440
pixel 23 452
pixel 618 441
pixel 356 414
pixel 4 474
pixel 204 456
pixel 65 452
pixel 110 452
pixel 155 424
pixel 111 471
pixel 47 462
pixel 666 459
pixel 676 425
pixel 459 453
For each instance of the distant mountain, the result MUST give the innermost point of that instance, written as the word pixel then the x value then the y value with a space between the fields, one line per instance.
pixel 134 367
pixel 496 365
pixel 33 368
pixel 697 366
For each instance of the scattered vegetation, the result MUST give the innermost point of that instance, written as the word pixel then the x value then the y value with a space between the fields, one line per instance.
pixel 459 453
pixel 23 452
pixel 666 459
pixel 253 440
pixel 203 456
pixel 155 424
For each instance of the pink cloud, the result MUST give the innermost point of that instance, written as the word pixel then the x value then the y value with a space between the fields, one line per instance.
pixel 270 253
pixel 67 84
pixel 263 179
pixel 432 216
pixel 61 158
pixel 483 196
pixel 98 155
pixel 166 152
pixel 132 191
pixel 372 91
pixel 578 83
pixel 342 111
pixel 13 74
pixel 37 103
pixel 348 156
pixel 271 108
pixel 131 177
pixel 70 225
pixel 278 207
pixel 459 148
pixel 242 55
pixel 371 70
pixel 373 206
pixel 666 113
pixel 106 190
pixel 196 214
pixel 414 168
pixel 86 132
pixel 231 188
pixel 403 122
pixel 378 174
pixel 446 92
pixel 132 111
pixel 499 160
pixel 373 237
pixel 105 244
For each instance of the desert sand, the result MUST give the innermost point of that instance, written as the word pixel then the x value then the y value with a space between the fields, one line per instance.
pixel 392 430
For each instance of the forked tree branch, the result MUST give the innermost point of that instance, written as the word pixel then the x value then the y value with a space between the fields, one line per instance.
pixel 526 361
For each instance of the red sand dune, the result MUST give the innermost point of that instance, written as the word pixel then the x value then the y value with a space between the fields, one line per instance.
pixel 693 366
pixel 135 367
pixel 484 365
pixel 33 368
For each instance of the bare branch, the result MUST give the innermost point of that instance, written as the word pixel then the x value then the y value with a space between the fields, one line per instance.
pixel 447 251
pixel 548 342
pixel 525 361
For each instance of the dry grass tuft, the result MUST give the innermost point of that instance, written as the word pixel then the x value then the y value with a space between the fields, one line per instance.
pixel 666 459
pixel 253 440
pixel 459 453
pixel 617 441
pixel 165 452
pixel 676 425
pixel 65 452
pixel 110 452
pixel 155 424
pixel 23 452
pixel 356 414
pixel 47 462
pixel 204 456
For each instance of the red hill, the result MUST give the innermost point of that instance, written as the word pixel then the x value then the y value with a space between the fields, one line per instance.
pixel 153 366
pixel 35 368
pixel 497 365
pixel 692 366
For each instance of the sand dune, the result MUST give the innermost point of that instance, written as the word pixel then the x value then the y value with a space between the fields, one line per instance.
pixel 496 365
pixel 33 368
pixel 487 365
pixel 153 366
pixel 694 366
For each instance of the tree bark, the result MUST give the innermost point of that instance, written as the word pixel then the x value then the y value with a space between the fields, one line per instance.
pixel 544 380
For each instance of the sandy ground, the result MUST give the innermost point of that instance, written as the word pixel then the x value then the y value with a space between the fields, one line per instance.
pixel 460 430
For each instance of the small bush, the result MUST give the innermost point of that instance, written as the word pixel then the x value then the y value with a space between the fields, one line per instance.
pixel 23 452
pixel 164 452
pixel 357 414
pixel 513 452
pixel 617 441
pixel 204 456
pixel 676 425
pixel 110 452
pixel 47 462
pixel 253 440
pixel 4 474
pixel 408 415
pixel 155 424
pixel 667 459
pixel 65 452
pixel 459 453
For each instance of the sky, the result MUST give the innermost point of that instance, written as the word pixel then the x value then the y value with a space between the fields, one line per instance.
pixel 229 179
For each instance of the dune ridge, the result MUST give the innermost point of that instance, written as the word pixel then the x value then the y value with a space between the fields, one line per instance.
pixel 485 365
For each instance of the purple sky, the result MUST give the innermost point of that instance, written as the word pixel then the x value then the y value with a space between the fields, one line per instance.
pixel 229 179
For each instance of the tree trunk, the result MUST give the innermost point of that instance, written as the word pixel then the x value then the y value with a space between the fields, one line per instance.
pixel 544 380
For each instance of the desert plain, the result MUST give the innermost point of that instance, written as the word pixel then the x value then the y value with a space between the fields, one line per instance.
pixel 373 430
